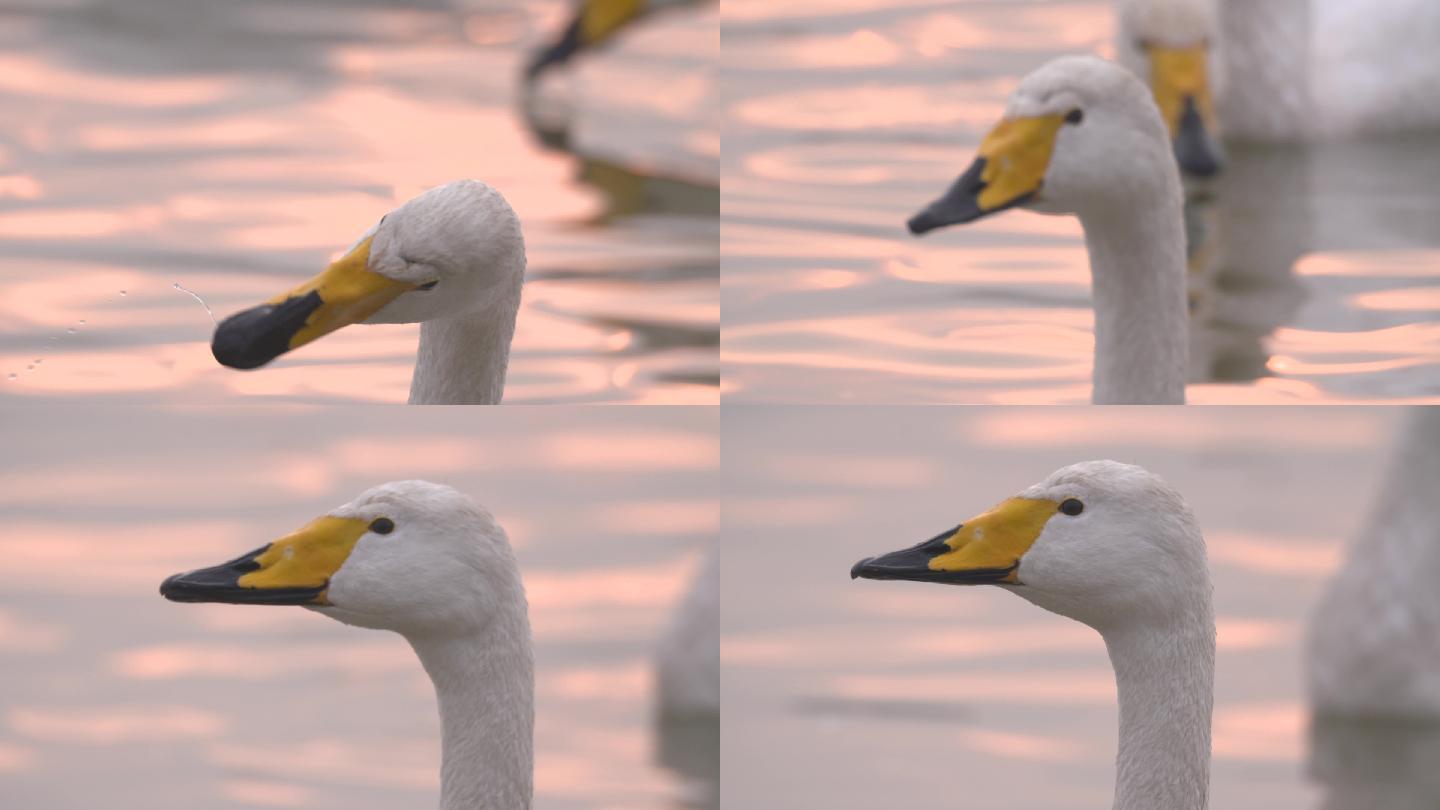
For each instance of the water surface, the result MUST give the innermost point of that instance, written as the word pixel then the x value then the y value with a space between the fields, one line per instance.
pixel 1315 275
pixel 107 690
pixel 863 694
pixel 235 148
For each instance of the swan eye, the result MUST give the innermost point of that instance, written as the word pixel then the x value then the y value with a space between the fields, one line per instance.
pixel 382 525
pixel 1075 116
pixel 1071 507
pixel 428 285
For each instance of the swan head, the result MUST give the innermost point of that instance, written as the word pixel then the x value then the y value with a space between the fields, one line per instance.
pixel 453 250
pixel 410 556
pixel 595 23
pixel 1170 44
pixel 1101 542
pixel 1079 136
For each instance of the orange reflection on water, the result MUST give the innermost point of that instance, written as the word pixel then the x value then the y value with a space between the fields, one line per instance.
pixel 109 725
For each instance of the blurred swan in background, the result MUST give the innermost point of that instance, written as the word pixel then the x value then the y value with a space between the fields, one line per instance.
pixel 688 669
pixel 1373 663
pixel 634 114
pixel 452 259
pixel 428 563
pixel 1374 645
pixel 1283 70
pixel 1114 547
pixel 1081 136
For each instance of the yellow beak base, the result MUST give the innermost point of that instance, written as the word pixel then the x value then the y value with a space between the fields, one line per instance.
pixel 1008 171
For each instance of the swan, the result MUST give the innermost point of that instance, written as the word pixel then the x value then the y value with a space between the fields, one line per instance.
pixel 428 563
pixel 1114 547
pixel 688 664
pixel 1371 647
pixel 1081 136
pixel 1284 70
pixel 594 23
pixel 452 259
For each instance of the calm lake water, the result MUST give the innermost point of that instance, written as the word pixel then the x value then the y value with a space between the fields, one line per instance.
pixel 107 690
pixel 233 148
pixel 861 694
pixel 1316 274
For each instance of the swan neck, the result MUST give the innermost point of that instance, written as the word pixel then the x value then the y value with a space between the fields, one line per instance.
pixel 1137 268
pixel 462 358
pixel 485 687
pixel 1164 676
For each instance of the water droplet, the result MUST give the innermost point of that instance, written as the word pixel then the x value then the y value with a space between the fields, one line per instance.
pixel 82 321
pixel 192 294
pixel 12 376
pixel 70 331
pixel 123 293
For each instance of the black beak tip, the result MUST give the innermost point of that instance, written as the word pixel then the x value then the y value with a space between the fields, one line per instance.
pixel 176 589
pixel 858 569
pixel 921 224
pixel 1201 165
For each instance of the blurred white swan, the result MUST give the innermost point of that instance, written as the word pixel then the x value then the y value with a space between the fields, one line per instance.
pixel 1374 639
pixel 688 669
pixel 1081 136
pixel 452 259
pixel 1114 547
pixel 426 562
pixel 1286 70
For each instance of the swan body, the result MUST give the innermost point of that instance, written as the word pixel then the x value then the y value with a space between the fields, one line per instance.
pixel 1372 647
pixel 688 668
pixel 452 260
pixel 424 561
pixel 1081 136
pixel 1299 70
pixel 1114 547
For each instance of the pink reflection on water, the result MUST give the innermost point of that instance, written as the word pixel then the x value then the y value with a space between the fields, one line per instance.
pixel 788 512
pixel 655 586
pixel 1260 732
pixel 628 680
pixel 23 76
pixel 1309 559
pixel 1029 747
pixel 265 661
pixel 109 725
pixel 1233 633
pixel 1373 263
pixel 1409 299
pixel 876 107
pixel 109 558
pixel 1142 427
pixel 28 636
pixel 267 794
pixel 836 649
pixel 399 763
pixel 629 450
pixel 862 48
pixel 852 470
pixel 15 758
pixel 658 517
pixel 1055 687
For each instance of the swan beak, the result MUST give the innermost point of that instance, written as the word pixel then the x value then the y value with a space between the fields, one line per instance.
pixel 1007 172
pixel 294 570
pixel 346 292
pixel 1182 92
pixel 982 551
pixel 595 22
